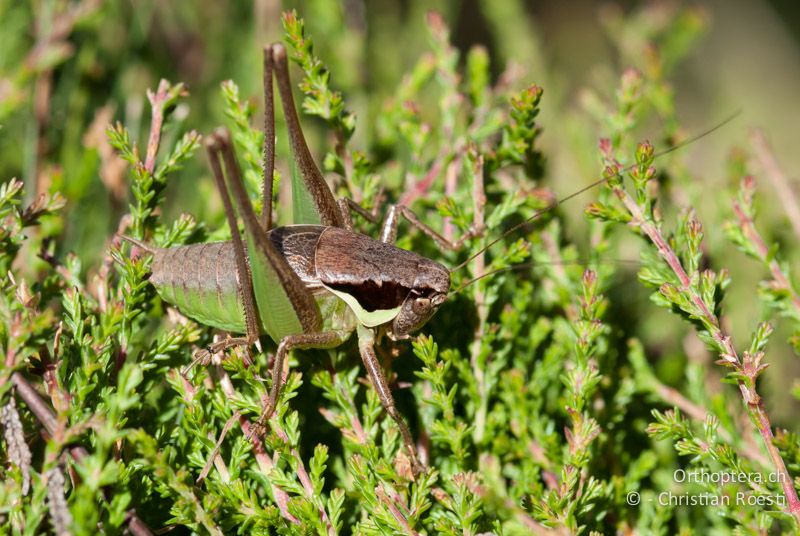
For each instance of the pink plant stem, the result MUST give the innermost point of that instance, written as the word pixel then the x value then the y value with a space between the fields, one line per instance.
pixel 754 402
pixel 699 413
pixel 396 513
pixel 766 157
pixel 355 422
pixel 450 186
pixel 157 101
pixel 420 188
pixel 35 403
pixel 478 220
pixel 302 474
pixel 265 463
pixel 358 430
pixel 11 353
pixel 305 481
pixel 47 418
pixel 521 515
pixel 750 231
pixel 50 36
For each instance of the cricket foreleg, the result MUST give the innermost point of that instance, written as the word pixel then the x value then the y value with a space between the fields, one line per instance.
pixel 344 208
pixel 389 230
pixel 325 339
pixel 366 346
pixel 390 222
pixel 369 215
pixel 348 207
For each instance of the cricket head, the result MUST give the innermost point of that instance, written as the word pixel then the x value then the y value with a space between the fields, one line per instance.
pixel 427 293
pixel 383 285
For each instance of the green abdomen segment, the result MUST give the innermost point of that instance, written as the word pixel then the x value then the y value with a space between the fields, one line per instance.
pixel 202 282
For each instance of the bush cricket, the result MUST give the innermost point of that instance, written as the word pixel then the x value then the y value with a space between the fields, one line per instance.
pixel 313 283
pixel 306 285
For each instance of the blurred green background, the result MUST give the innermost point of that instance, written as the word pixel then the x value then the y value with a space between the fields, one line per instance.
pixel 68 69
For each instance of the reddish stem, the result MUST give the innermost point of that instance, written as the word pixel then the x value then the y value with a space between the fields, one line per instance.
pixel 754 403
pixel 302 475
pixel 750 231
pixel 265 463
pixel 47 418
pixel 769 163
pixel 396 513
pixel 157 101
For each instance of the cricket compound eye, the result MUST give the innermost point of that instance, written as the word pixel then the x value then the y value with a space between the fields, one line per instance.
pixel 421 305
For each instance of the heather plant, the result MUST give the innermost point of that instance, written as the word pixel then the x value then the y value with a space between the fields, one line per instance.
pixel 544 396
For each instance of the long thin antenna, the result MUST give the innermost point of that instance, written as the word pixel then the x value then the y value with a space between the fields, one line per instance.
pixel 538 213
pixel 532 264
pixel 138 243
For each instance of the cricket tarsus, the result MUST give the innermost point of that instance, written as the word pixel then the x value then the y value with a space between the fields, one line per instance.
pixel 204 355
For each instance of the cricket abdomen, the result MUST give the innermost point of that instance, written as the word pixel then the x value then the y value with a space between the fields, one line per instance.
pixel 202 282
